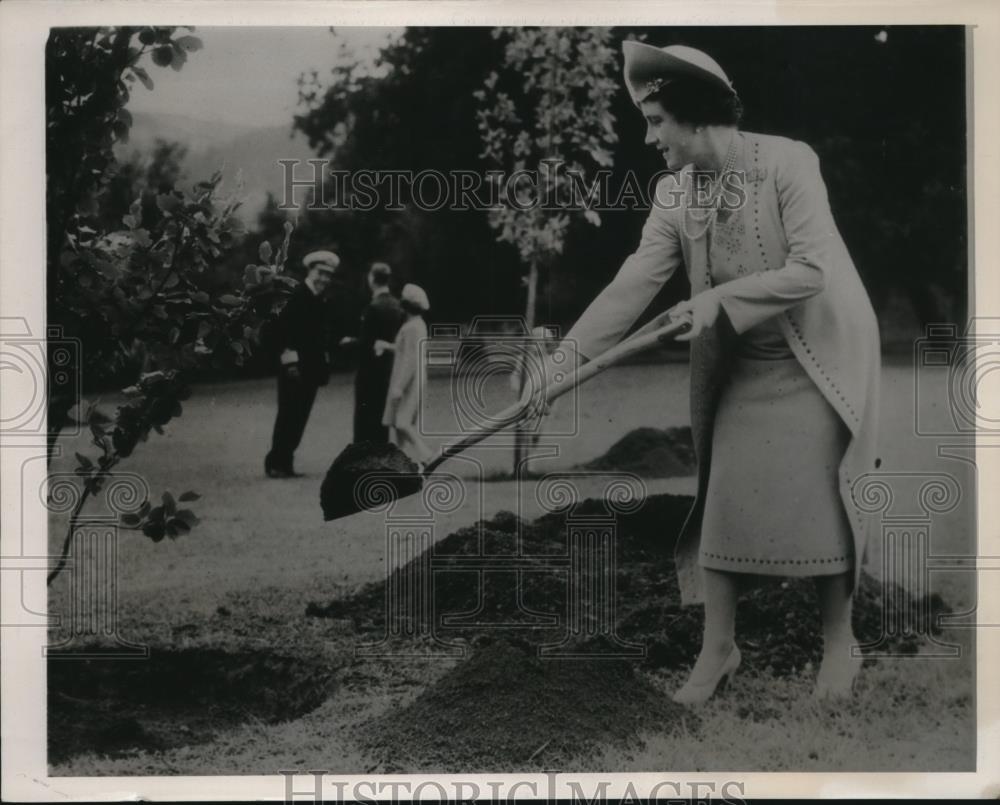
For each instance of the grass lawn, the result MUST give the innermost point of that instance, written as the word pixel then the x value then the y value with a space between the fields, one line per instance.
pixel 241 582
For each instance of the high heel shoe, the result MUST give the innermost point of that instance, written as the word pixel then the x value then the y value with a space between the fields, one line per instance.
pixel 838 687
pixel 691 693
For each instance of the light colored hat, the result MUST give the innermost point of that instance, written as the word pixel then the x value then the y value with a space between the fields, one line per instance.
pixel 649 68
pixel 324 261
pixel 416 296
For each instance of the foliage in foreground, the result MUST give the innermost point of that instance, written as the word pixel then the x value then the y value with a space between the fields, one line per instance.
pixel 138 294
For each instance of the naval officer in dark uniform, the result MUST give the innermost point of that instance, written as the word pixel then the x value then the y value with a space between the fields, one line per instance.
pixel 303 333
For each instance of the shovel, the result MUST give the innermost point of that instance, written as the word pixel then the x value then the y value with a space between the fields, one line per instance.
pixel 398 477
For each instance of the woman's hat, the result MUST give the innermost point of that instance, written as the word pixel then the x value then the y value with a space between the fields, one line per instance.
pixel 649 68
pixel 322 260
pixel 414 295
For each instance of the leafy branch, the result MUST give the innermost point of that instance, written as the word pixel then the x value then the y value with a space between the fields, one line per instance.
pixel 156 399
pixel 548 110
pixel 144 281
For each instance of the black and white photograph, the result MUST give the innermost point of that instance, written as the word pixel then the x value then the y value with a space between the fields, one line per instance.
pixel 604 405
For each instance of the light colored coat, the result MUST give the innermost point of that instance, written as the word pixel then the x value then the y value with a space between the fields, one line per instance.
pixel 409 374
pixel 800 271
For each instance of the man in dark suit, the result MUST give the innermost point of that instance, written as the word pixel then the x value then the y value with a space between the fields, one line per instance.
pixel 303 332
pixel 380 321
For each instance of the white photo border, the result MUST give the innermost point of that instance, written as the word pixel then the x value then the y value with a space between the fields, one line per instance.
pixel 24 27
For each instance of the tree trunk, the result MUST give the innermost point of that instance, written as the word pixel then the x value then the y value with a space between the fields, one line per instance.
pixel 521 437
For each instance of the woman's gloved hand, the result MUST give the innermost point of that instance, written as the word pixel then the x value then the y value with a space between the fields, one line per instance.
pixel 700 311
pixel 554 369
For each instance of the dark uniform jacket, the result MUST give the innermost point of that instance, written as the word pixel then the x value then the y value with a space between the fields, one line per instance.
pixel 304 329
pixel 381 320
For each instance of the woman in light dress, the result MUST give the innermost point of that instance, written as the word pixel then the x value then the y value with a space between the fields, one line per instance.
pixel 784 357
pixel 409 375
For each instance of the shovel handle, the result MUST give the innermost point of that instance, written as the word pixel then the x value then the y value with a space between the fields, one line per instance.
pixel 658 331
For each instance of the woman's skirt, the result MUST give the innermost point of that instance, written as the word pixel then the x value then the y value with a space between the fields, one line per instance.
pixel 403 414
pixel 773 503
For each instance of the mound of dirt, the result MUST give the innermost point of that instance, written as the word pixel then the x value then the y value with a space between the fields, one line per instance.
pixel 503 706
pixel 778 622
pixel 650 453
pixel 174 698
pixel 338 494
pixel 503 702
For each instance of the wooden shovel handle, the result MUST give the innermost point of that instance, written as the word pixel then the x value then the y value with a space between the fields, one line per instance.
pixel 658 331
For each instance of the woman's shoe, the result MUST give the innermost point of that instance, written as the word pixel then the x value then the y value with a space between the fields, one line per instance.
pixel 691 693
pixel 838 686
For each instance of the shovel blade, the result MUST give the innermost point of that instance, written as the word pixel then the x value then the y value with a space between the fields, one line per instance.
pixel 366 476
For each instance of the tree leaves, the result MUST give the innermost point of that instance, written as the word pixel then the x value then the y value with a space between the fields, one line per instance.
pixel 143 76
pixel 106 283
pixel 130 520
pixel 165 520
pixel 168 202
pixel 189 43
pixel 163 56
pixel 548 106
pixel 132 255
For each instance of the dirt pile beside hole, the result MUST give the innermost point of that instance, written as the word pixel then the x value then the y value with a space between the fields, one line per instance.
pixel 778 623
pixel 504 702
pixel 175 698
pixel 650 453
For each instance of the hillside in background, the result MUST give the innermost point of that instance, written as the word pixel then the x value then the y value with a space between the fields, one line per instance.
pixel 237 149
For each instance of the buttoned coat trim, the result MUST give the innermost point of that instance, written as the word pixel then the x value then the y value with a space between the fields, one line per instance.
pixel 832 332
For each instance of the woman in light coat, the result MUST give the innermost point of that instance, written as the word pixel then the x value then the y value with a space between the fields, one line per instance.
pixel 784 357
pixel 409 375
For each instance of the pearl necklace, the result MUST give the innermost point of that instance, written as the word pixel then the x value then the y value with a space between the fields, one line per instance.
pixel 709 216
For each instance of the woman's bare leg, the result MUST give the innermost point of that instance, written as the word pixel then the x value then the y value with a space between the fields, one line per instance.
pixel 408 436
pixel 839 667
pixel 721 595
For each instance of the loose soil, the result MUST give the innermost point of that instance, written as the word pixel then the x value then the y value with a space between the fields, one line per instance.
pixel 505 705
pixel 504 696
pixel 777 622
pixel 650 453
pixel 500 703
pixel 174 698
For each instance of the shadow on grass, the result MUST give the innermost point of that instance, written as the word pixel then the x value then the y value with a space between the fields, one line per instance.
pixel 117 707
